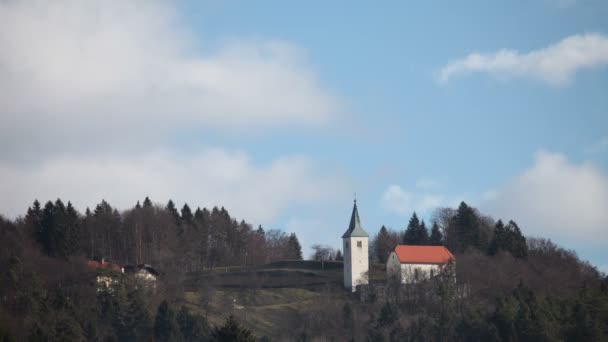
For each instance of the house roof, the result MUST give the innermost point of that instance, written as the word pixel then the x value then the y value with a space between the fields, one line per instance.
pixel 423 254
pixel 141 267
pixel 354 228
pixel 103 264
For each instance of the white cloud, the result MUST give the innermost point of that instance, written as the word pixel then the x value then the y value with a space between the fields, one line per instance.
pixel 404 202
pixel 555 64
pixel 556 198
pixel 74 72
pixel 257 193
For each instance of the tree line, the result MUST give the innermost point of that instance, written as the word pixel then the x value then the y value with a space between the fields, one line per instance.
pixel 459 230
pixel 157 235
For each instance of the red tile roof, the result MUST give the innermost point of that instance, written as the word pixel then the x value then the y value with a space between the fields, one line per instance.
pixel 105 264
pixel 423 254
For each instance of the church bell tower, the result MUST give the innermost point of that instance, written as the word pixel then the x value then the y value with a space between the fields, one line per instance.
pixel 355 246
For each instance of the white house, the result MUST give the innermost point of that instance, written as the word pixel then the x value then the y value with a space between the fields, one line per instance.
pixel 411 264
pixel 143 272
pixel 355 247
pixel 108 274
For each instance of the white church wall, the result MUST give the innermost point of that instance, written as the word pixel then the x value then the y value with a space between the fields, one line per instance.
pixel 412 273
pixel 357 257
pixel 346 248
pixel 393 267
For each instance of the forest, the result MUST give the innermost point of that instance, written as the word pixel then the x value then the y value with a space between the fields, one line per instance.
pixel 518 288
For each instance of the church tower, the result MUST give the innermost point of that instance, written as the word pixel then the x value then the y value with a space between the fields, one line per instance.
pixel 355 247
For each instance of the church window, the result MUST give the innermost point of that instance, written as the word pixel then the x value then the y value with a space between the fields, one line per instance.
pixel 359 244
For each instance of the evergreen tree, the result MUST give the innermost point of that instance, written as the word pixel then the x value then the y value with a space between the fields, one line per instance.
pixel 509 239
pixel 339 256
pixel 72 231
pixel 58 230
pixel 295 249
pixel 383 245
pixel 186 214
pixel 423 234
pixel 416 232
pixel 193 327
pixel 34 220
pixel 165 325
pixel 147 203
pixel 465 230
pixel 136 322
pixel 232 331
pixel 413 227
pixel 170 207
pixel 436 238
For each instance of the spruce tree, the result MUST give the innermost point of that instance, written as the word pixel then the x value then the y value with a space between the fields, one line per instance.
pixel 165 325
pixel 464 230
pixel 193 327
pixel 339 256
pixel 170 207
pixel 436 238
pixel 186 214
pixel 136 320
pixel 147 203
pixel 411 232
pixel 232 331
pixel 383 246
pixel 295 249
pixel 422 234
pixel 509 239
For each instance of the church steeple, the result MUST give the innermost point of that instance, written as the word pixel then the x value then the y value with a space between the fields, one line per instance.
pixel 354 228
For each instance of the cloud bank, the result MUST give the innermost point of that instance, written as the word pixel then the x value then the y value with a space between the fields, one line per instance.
pixel 403 202
pixel 257 193
pixel 554 65
pixel 73 72
pixel 556 198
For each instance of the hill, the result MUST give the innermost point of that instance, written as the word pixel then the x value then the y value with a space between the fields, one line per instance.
pixel 269 297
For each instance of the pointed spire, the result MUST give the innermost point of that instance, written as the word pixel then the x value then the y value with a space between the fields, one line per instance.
pixel 354 228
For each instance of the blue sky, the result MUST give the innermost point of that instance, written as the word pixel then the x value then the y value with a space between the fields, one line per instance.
pixel 281 111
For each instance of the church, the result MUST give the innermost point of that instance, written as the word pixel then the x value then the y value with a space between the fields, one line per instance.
pixel 356 253
pixel 406 264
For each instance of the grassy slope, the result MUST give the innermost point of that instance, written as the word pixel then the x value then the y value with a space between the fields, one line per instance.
pixel 266 297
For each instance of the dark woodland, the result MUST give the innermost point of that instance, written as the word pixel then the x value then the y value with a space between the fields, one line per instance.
pixel 509 287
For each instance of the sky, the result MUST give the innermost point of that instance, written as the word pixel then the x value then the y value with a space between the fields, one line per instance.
pixel 282 111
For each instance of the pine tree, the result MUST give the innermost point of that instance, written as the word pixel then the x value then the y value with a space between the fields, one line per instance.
pixel 170 207
pixel 186 214
pixel 383 246
pixel 193 327
pixel 423 234
pixel 33 219
pixel 72 231
pixel 136 321
pixel 295 249
pixel 436 238
pixel 147 203
pixel 509 239
pixel 165 325
pixel 232 331
pixel 410 237
pixel 339 256
pixel 416 232
pixel 58 231
pixel 465 230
